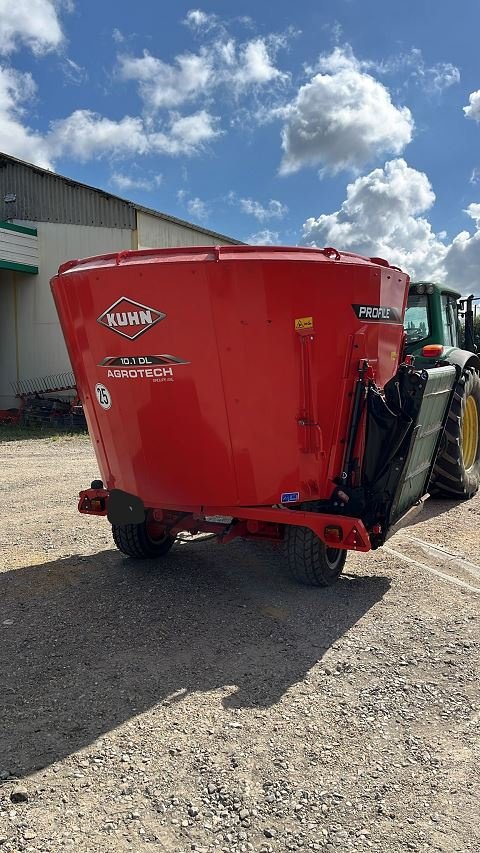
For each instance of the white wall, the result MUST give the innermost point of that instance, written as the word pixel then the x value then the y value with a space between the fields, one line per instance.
pixel 7 337
pixel 156 233
pixel 41 348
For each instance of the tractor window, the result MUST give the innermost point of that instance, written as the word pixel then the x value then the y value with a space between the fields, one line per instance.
pixel 416 321
pixel 449 319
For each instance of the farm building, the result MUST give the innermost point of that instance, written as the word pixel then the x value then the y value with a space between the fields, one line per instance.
pixel 46 219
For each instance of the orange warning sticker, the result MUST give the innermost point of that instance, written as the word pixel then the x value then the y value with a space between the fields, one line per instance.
pixel 303 323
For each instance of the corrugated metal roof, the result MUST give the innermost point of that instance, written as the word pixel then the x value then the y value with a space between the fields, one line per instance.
pixel 32 194
pixel 37 195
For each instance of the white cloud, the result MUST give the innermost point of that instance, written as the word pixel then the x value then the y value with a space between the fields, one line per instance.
pixel 85 134
pixel 432 78
pixel 475 176
pixel 264 238
pixel 441 76
pixel 163 85
pixel 33 23
pixel 197 208
pixel 473 108
pixel 274 210
pixel 196 19
pixel 73 72
pixel 191 75
pixel 129 182
pixel 382 217
pixel 15 138
pixel 255 65
pixel 473 210
pixel 463 258
pixel 341 119
pixel 186 134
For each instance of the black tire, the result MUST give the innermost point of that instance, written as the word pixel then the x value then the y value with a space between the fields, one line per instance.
pixel 309 560
pixel 134 541
pixel 451 477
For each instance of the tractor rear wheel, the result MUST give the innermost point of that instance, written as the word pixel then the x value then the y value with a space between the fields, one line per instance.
pixel 136 540
pixel 310 561
pixel 457 469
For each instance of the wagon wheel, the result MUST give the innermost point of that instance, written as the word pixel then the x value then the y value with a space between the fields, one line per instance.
pixel 141 540
pixel 310 561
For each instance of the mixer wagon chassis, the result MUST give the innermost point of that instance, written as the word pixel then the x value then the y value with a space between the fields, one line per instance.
pixel 267 523
pixel 393 489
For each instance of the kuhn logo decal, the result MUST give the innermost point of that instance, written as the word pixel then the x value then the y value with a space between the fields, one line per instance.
pixel 377 313
pixel 129 319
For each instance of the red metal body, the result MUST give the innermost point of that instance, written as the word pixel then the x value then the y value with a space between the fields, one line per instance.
pixel 228 372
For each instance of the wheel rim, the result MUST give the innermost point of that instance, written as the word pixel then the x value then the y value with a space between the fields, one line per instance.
pixel 155 534
pixel 470 433
pixel 333 556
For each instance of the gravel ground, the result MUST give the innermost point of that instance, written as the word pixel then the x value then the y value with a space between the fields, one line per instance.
pixel 210 704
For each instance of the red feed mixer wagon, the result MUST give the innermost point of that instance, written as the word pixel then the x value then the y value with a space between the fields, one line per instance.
pixel 252 392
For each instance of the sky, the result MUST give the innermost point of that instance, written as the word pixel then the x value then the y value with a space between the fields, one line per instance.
pixel 353 124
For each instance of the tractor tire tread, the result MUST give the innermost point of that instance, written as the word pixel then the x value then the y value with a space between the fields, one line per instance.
pixel 449 476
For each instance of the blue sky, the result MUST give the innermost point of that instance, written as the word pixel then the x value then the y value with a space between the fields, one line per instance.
pixel 354 124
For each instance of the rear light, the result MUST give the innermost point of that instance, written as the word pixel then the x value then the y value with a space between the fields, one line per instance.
pixel 333 534
pixel 93 501
pixel 432 351
pixel 354 540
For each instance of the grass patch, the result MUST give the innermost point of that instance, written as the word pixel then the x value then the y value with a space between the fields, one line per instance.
pixel 23 433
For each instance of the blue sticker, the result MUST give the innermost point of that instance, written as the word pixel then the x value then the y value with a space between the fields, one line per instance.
pixel 289 497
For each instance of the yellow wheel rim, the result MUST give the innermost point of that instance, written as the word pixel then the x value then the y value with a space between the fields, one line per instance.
pixel 470 433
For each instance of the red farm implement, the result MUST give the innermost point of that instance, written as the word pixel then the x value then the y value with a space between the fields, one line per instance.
pixel 253 392
pixel 38 407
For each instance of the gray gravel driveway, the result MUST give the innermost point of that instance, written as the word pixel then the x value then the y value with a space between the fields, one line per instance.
pixel 207 703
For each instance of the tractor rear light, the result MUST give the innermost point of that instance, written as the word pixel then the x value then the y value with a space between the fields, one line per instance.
pixel 432 351
pixel 333 533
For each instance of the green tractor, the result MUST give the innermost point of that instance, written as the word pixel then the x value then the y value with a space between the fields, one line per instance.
pixel 437 320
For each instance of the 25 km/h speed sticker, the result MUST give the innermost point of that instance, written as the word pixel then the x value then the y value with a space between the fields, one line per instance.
pixel 103 396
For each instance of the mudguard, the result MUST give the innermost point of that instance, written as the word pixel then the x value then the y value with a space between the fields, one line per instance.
pixel 404 430
pixel 462 358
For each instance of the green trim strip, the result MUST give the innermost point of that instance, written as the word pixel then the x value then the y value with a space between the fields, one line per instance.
pixel 10 265
pixel 22 229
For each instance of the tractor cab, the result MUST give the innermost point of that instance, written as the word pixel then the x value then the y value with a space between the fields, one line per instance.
pixel 433 324
pixel 440 328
